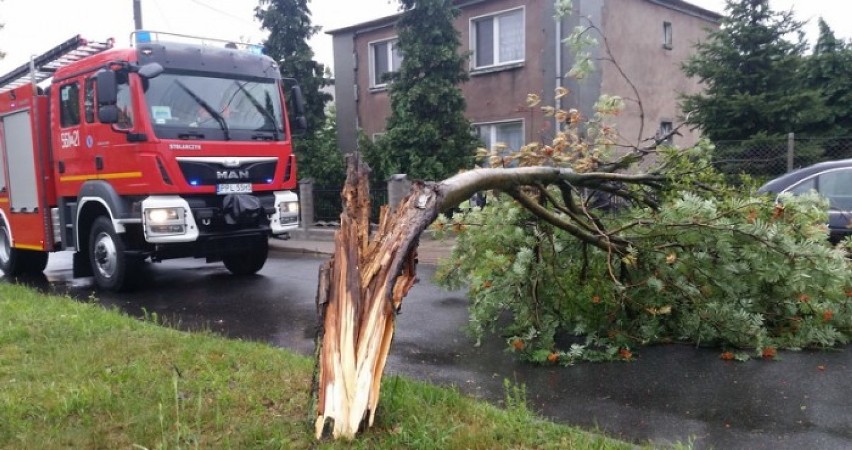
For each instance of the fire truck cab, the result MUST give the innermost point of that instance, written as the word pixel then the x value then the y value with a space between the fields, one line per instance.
pixel 174 147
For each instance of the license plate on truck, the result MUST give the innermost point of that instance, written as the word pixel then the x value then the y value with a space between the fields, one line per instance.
pixel 233 188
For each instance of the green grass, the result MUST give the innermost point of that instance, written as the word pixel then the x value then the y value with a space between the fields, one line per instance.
pixel 74 375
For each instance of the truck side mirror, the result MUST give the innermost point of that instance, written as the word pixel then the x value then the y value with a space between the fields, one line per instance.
pixel 150 70
pixel 300 123
pixel 107 88
pixel 108 113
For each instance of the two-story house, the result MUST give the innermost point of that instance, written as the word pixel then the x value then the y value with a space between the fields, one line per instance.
pixel 516 48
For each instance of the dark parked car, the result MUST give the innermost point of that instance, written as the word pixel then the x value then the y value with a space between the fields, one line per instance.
pixel 832 180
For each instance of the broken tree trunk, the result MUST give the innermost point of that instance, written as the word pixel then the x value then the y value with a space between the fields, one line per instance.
pixel 362 286
pixel 360 291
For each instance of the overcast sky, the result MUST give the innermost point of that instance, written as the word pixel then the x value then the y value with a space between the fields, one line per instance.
pixel 34 26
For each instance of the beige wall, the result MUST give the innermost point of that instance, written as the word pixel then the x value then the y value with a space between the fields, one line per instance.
pixel 501 95
pixel 491 96
pixel 634 30
pixel 373 104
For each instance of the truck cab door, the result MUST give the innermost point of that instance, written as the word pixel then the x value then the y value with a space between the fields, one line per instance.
pixel 72 154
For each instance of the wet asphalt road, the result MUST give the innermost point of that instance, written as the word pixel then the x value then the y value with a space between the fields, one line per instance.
pixel 669 394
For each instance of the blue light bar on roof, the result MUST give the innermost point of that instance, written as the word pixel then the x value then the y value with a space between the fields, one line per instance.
pixel 143 37
pixel 147 37
pixel 254 49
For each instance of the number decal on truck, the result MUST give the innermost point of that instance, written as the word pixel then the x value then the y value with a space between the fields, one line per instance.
pixel 70 138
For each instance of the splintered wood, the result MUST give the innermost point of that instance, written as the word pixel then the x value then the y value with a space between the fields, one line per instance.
pixel 360 292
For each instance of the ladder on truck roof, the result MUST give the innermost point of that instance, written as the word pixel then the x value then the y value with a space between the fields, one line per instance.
pixel 43 66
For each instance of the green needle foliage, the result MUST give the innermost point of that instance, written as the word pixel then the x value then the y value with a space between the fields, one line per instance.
pixel 672 254
pixel 752 70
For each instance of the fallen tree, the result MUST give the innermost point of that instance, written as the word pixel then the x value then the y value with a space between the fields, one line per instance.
pixel 362 286
pixel 688 266
pixel 653 255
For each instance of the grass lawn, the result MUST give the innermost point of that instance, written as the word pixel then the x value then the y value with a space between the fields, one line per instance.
pixel 74 375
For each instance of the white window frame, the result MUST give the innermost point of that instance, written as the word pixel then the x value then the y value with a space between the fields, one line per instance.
pixel 376 136
pixel 496 38
pixel 666 127
pixel 668 33
pixel 493 130
pixel 371 50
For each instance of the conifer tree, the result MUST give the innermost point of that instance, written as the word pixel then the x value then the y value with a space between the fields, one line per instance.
pixel 428 136
pixel 290 27
pixel 751 68
pixel 827 71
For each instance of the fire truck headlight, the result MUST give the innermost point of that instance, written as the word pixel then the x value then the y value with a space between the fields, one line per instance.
pixel 162 215
pixel 165 221
pixel 288 213
pixel 289 207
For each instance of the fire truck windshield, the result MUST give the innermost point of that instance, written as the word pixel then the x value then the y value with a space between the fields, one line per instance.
pixel 193 107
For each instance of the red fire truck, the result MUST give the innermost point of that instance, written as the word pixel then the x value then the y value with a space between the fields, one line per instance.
pixel 174 147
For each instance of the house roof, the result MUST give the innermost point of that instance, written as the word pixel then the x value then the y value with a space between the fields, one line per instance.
pixel 689 8
pixel 381 22
pixel 677 5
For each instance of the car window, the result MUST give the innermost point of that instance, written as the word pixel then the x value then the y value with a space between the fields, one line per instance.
pixel 837 187
pixel 803 187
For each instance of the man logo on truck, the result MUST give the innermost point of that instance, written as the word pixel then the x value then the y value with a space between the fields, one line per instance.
pixel 232 174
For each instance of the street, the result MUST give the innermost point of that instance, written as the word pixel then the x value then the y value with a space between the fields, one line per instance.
pixel 670 393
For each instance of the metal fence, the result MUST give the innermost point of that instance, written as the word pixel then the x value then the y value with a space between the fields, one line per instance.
pixel 770 157
pixel 328 204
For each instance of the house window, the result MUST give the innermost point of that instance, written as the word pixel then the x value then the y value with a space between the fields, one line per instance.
pixel 498 39
pixel 667 35
pixel 69 105
pixel 502 137
pixel 665 130
pixel 378 136
pixel 384 58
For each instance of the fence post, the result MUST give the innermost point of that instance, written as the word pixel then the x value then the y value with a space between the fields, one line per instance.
pixel 791 150
pixel 398 187
pixel 306 203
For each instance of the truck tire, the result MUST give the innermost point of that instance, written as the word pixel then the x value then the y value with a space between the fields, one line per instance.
pixel 247 262
pixel 14 261
pixel 110 264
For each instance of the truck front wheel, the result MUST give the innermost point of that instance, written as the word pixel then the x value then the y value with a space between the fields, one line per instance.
pixel 14 261
pixel 248 262
pixel 106 253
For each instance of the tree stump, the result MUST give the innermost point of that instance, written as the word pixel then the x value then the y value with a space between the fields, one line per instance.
pixel 359 294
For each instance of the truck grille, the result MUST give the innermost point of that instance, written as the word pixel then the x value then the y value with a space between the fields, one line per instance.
pixel 207 171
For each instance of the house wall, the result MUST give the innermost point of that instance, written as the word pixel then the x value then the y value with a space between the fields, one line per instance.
pixel 491 96
pixel 500 94
pixel 373 105
pixel 634 30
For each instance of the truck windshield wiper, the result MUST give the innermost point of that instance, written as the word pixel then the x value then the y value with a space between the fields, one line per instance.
pixel 260 109
pixel 210 110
